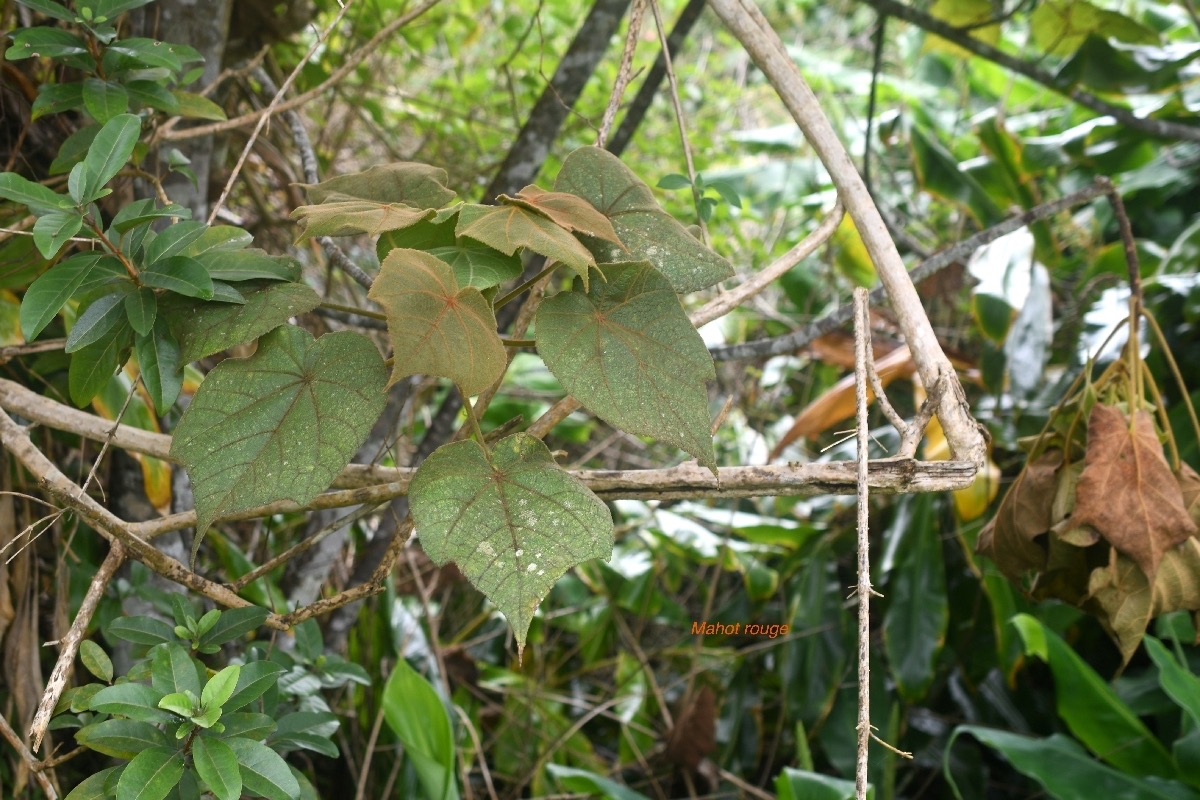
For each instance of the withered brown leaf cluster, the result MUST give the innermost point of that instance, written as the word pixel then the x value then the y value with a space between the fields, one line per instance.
pixel 1115 535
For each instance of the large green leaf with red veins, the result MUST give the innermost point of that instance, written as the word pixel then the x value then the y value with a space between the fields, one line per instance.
pixel 570 211
pixel 280 424
pixel 646 230
pixel 510 227
pixel 626 350
pixel 512 520
pixel 436 327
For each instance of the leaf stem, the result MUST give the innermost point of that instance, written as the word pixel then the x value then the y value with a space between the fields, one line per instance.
pixel 517 292
pixel 518 342
pixel 112 248
pixel 472 420
pixel 361 312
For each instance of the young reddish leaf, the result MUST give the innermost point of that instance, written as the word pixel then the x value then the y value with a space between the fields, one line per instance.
pixel 512 520
pixel 280 424
pixel 510 227
pixel 646 230
pixel 1127 491
pixel 435 327
pixel 415 185
pixel 569 211
pixel 348 216
pixel 627 351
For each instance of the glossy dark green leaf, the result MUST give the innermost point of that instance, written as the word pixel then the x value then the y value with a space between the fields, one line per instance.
pixel 1111 66
pixel 97 321
pixel 196 106
pixel 914 625
pixel 92 366
pixel 143 211
pixel 148 94
pixel 151 775
pixel 280 424
pixel 628 352
pixel 217 765
pixel 50 9
pixel 45 42
pixel 248 265
pixel 798 784
pixel 179 274
pixel 1091 709
pixel 140 308
pixel 254 680
pixel 436 327
pixel 174 240
pixel 57 98
pixel 416 715
pixel 512 520
pixel 233 624
pixel 1176 679
pixel 161 366
pixel 173 670
pixel 73 149
pixel 206 328
pixel 52 231
pixel 120 738
pixel 92 787
pixel 263 771
pixel 134 700
pixel 148 52
pixel 648 232
pixel 1065 770
pixel 104 99
pixel 589 784
pixel 39 199
pixel 250 725
pixel 141 630
pixel 95 660
pixel 112 148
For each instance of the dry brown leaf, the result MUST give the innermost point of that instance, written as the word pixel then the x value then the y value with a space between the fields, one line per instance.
pixel 1127 491
pixel 1189 487
pixel 1024 514
pixel 694 734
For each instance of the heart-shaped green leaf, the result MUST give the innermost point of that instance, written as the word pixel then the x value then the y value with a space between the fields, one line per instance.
pixel 647 231
pixel 478 265
pixel 207 328
pixel 509 227
pixel 512 520
pixel 627 351
pixel 437 328
pixel 280 424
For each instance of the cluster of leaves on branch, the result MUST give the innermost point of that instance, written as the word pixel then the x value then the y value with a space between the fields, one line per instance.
pixel 186 729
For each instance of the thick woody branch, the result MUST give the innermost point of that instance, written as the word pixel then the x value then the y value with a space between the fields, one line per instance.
pixel 746 22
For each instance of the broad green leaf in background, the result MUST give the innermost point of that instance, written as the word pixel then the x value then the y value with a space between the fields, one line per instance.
pixel 151 775
pixel 56 98
pixel 628 352
pixel 233 624
pixel 121 738
pixel 416 715
pixel 263 771
pixel 48 42
pixel 50 9
pixel 217 765
pixel 1091 709
pixel 1064 769
pixel 646 230
pixel 478 265
pixel 50 292
pixel 1180 684
pixel 508 228
pixel 435 327
pixel 1059 27
pixel 140 630
pixel 206 328
pixel 914 626
pixel 197 106
pixel 580 781
pixel 798 784
pixel 512 520
pixel 96 660
pixel 280 424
